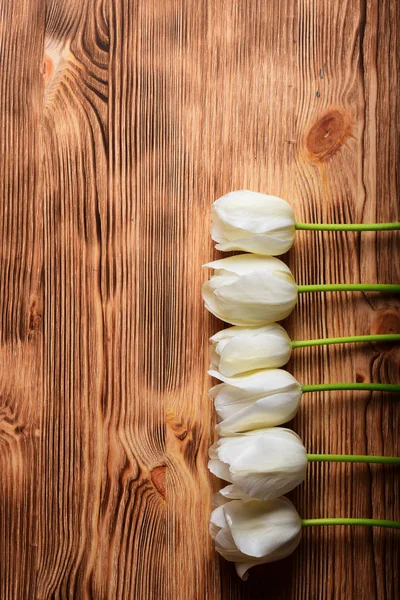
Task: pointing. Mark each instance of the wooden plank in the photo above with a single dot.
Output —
(20, 292)
(346, 187)
(167, 425)
(76, 458)
(151, 111)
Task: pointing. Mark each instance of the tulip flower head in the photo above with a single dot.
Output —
(255, 400)
(250, 289)
(263, 464)
(240, 349)
(252, 222)
(252, 532)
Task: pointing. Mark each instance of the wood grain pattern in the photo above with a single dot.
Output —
(121, 123)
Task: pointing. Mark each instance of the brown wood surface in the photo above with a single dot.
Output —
(121, 121)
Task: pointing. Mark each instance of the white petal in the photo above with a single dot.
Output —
(263, 529)
(251, 349)
(262, 399)
(209, 297)
(225, 545)
(256, 298)
(235, 331)
(253, 212)
(264, 464)
(230, 332)
(230, 400)
(242, 568)
(282, 552)
(213, 450)
(261, 243)
(217, 518)
(219, 469)
(214, 358)
(245, 264)
(267, 411)
(231, 492)
(266, 380)
(275, 441)
(214, 391)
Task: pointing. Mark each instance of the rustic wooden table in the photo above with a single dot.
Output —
(120, 123)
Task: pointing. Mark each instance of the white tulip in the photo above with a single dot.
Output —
(250, 289)
(263, 464)
(239, 349)
(259, 399)
(252, 222)
(254, 532)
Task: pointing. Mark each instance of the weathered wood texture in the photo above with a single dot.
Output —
(120, 123)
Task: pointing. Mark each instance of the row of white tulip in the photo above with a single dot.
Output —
(253, 523)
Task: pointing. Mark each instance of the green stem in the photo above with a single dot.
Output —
(346, 521)
(350, 287)
(387, 337)
(354, 458)
(373, 387)
(348, 226)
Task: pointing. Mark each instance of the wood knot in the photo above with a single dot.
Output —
(387, 321)
(35, 320)
(48, 68)
(158, 479)
(328, 134)
(179, 428)
(55, 60)
(360, 378)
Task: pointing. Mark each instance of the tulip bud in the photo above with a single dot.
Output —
(250, 289)
(239, 349)
(253, 532)
(252, 222)
(255, 400)
(263, 464)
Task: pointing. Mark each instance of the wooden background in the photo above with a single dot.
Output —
(120, 123)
